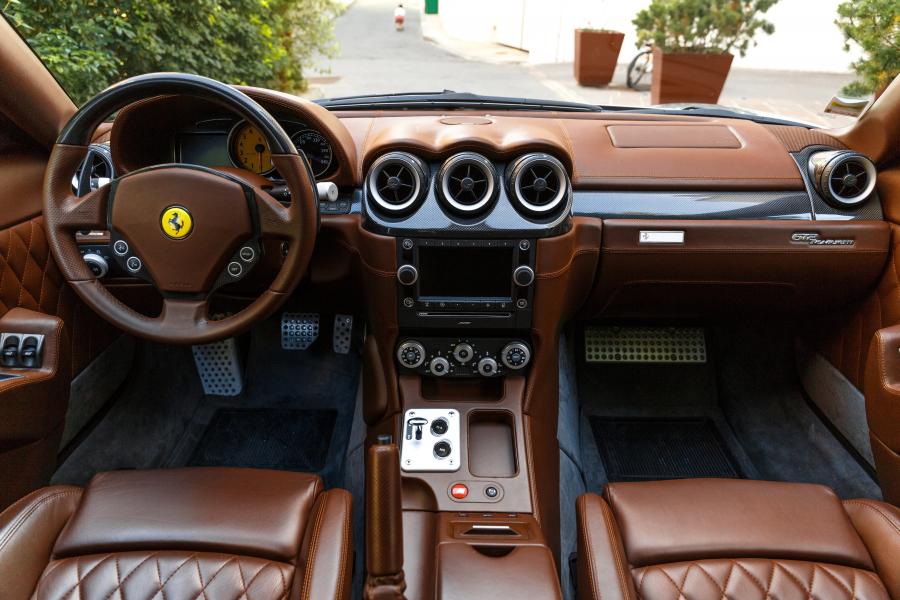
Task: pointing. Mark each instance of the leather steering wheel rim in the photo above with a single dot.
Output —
(184, 318)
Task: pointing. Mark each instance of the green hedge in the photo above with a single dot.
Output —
(90, 44)
(875, 26)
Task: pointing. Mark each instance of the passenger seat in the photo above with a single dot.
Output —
(722, 538)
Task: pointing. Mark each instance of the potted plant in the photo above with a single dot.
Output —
(693, 42)
(596, 54)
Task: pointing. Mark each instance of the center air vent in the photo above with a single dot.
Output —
(467, 183)
(397, 182)
(537, 184)
(844, 179)
(95, 171)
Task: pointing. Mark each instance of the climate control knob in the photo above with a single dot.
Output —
(515, 355)
(439, 366)
(97, 264)
(523, 276)
(407, 275)
(411, 354)
(463, 353)
(487, 366)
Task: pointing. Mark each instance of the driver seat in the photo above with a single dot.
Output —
(179, 534)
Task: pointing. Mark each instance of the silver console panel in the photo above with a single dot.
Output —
(425, 434)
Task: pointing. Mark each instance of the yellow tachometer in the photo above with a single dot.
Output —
(250, 150)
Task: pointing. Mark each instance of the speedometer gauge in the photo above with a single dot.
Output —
(316, 148)
(249, 149)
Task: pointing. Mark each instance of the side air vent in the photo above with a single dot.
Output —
(467, 183)
(844, 179)
(96, 170)
(397, 182)
(537, 184)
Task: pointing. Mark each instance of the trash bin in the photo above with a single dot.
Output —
(431, 7)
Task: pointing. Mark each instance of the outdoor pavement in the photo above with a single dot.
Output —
(373, 58)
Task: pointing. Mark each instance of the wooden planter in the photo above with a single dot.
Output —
(596, 54)
(688, 77)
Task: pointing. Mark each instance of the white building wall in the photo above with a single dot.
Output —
(805, 38)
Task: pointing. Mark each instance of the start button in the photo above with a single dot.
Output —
(459, 491)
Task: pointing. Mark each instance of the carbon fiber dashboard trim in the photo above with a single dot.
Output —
(719, 205)
(870, 210)
(501, 219)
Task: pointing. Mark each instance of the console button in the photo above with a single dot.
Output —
(407, 274)
(439, 366)
(459, 491)
(463, 353)
(411, 354)
(134, 264)
(515, 355)
(442, 449)
(120, 247)
(235, 269)
(491, 491)
(247, 254)
(523, 276)
(440, 426)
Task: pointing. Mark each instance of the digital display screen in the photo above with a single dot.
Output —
(465, 272)
(204, 149)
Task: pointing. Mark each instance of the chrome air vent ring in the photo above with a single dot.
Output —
(843, 178)
(397, 182)
(537, 184)
(467, 183)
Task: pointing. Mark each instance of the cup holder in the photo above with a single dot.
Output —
(494, 551)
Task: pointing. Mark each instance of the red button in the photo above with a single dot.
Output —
(459, 491)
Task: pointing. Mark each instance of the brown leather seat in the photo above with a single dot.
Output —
(712, 539)
(179, 534)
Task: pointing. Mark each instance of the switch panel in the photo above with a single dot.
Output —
(430, 440)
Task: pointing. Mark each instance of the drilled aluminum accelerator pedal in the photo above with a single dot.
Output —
(299, 330)
(644, 345)
(219, 367)
(342, 337)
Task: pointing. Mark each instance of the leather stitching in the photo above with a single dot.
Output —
(875, 508)
(22, 519)
(314, 547)
(589, 547)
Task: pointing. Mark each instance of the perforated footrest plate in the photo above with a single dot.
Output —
(342, 337)
(219, 367)
(299, 330)
(609, 344)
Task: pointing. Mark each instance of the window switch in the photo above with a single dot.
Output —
(30, 354)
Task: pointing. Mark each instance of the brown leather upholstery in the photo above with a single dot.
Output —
(708, 538)
(180, 533)
(384, 524)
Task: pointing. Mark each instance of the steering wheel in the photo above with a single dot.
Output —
(186, 229)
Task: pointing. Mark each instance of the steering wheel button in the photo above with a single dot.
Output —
(459, 491)
(120, 247)
(247, 254)
(235, 269)
(134, 264)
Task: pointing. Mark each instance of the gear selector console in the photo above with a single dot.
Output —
(430, 440)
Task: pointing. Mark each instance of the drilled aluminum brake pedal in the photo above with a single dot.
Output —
(606, 344)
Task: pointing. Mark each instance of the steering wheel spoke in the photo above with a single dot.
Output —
(183, 315)
(85, 212)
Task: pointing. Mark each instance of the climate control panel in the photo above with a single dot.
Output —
(463, 357)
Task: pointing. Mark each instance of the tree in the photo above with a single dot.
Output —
(90, 44)
(875, 26)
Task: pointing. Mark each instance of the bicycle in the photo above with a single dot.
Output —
(639, 67)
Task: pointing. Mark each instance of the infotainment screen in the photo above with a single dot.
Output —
(465, 272)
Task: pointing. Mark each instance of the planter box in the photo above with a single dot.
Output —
(688, 77)
(596, 54)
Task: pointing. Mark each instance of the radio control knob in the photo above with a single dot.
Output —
(97, 264)
(407, 275)
(515, 355)
(411, 354)
(523, 276)
(463, 353)
(487, 366)
(439, 366)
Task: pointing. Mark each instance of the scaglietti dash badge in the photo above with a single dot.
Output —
(176, 222)
(813, 239)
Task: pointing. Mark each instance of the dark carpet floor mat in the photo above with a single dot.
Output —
(649, 449)
(284, 439)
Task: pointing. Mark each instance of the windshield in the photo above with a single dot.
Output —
(771, 57)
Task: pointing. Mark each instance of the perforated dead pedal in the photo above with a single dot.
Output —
(608, 344)
(342, 337)
(299, 330)
(219, 367)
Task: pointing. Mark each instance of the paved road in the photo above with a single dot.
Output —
(374, 58)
